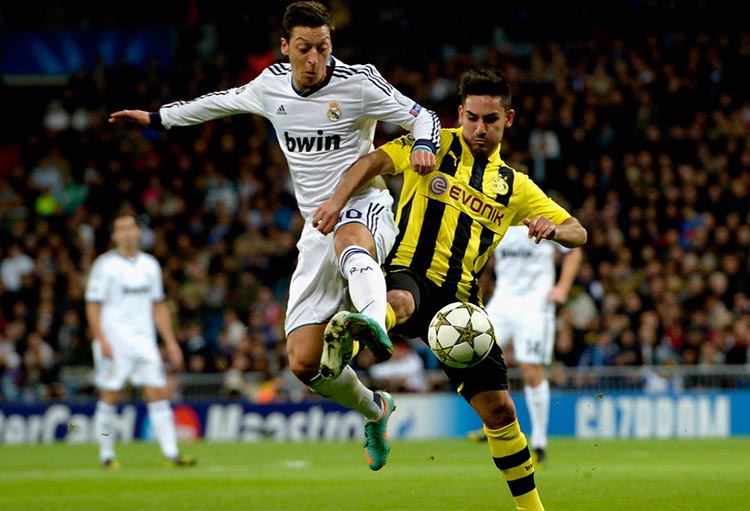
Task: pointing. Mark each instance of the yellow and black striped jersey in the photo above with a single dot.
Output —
(451, 220)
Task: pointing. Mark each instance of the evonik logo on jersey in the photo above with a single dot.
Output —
(317, 144)
(459, 195)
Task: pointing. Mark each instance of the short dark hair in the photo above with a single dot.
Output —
(485, 82)
(305, 13)
(123, 214)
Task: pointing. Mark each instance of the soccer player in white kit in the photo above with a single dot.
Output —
(125, 307)
(324, 113)
(522, 310)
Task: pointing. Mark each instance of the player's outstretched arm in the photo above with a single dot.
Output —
(138, 116)
(569, 234)
(359, 174)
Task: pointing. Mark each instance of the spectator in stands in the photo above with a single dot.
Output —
(71, 342)
(11, 364)
(39, 365)
(14, 267)
(233, 331)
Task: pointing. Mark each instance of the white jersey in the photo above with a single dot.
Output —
(524, 270)
(519, 308)
(126, 288)
(321, 133)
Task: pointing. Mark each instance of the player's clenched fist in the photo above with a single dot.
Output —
(422, 161)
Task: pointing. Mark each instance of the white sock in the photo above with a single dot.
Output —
(538, 402)
(348, 391)
(162, 420)
(366, 282)
(104, 429)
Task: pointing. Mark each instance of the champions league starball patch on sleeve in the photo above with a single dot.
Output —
(415, 109)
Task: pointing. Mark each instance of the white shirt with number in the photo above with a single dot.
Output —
(525, 270)
(519, 307)
(321, 133)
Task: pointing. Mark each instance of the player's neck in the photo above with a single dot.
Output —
(128, 253)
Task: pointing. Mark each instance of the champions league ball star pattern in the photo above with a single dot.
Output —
(461, 335)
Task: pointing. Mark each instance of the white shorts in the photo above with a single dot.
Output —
(141, 365)
(531, 329)
(317, 290)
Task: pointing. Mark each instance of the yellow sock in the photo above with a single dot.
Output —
(390, 316)
(511, 455)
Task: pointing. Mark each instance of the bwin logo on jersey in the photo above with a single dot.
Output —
(127, 290)
(312, 144)
(521, 254)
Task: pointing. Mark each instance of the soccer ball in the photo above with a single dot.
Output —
(461, 335)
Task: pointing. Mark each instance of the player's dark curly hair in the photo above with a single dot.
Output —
(306, 13)
(485, 82)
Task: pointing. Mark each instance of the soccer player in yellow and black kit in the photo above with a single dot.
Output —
(450, 221)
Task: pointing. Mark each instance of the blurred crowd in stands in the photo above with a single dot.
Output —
(645, 138)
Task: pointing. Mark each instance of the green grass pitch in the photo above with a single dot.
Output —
(455, 474)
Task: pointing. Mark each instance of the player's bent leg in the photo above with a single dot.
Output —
(512, 457)
(349, 392)
(377, 447)
(338, 347)
(344, 389)
(358, 263)
(304, 346)
(508, 447)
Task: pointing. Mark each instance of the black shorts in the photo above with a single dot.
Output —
(490, 374)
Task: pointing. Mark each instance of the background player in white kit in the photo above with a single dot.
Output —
(324, 113)
(523, 309)
(125, 307)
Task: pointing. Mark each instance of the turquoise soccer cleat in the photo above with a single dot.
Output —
(368, 332)
(377, 445)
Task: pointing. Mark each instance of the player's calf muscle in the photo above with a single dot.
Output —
(303, 351)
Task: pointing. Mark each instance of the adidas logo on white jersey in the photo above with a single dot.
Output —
(281, 110)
